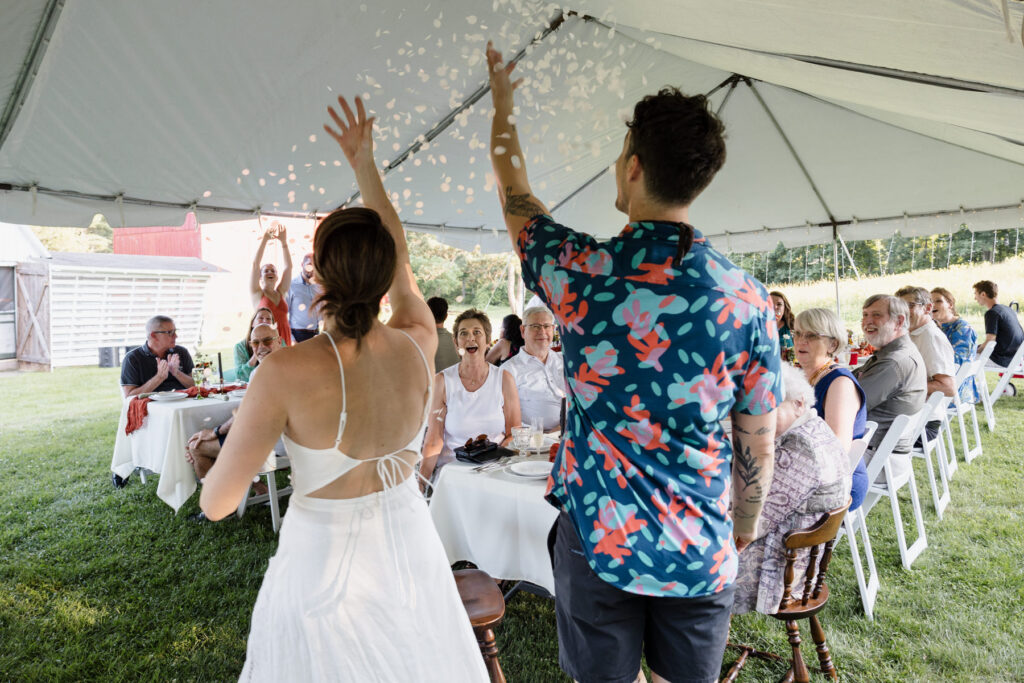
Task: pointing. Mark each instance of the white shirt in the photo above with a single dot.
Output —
(541, 386)
(935, 349)
(471, 413)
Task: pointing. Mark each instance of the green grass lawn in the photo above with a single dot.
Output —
(105, 584)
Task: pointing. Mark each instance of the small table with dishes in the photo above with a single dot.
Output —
(159, 444)
(497, 518)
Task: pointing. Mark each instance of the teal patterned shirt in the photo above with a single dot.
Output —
(656, 357)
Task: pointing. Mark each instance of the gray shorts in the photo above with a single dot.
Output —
(602, 630)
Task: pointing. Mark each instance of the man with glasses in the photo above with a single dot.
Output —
(538, 371)
(159, 364)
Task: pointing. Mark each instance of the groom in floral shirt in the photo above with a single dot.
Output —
(663, 340)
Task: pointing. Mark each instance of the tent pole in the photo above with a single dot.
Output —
(30, 66)
(856, 273)
(835, 266)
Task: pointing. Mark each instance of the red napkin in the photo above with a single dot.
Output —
(137, 411)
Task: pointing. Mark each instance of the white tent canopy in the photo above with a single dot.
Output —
(860, 119)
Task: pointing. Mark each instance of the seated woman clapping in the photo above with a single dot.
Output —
(839, 400)
(811, 477)
(471, 398)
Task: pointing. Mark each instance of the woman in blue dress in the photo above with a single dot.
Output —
(818, 336)
(960, 334)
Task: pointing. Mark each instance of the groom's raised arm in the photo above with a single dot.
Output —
(517, 201)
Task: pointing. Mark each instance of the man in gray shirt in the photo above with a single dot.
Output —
(446, 354)
(894, 379)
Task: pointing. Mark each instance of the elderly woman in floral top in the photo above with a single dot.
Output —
(812, 476)
(960, 334)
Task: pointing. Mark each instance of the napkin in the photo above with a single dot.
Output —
(137, 411)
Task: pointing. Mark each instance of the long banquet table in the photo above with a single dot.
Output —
(159, 444)
(496, 520)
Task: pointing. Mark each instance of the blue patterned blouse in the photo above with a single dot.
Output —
(965, 348)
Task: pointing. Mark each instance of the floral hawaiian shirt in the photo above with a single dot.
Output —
(656, 357)
(965, 348)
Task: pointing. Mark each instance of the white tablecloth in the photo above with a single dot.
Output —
(496, 520)
(159, 444)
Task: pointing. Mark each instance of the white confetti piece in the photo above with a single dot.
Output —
(499, 150)
(245, 171)
(312, 138)
(516, 163)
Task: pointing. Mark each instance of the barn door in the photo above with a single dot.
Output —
(32, 285)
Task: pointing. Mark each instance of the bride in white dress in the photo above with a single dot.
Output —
(360, 588)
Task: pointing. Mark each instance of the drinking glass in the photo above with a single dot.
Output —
(521, 439)
(536, 434)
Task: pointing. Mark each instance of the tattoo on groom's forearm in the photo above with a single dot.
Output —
(521, 204)
(747, 468)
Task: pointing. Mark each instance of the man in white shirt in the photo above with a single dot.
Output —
(939, 361)
(538, 371)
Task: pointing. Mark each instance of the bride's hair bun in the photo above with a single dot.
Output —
(354, 260)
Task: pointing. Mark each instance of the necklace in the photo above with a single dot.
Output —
(472, 381)
(816, 375)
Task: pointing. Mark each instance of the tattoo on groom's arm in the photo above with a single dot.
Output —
(521, 204)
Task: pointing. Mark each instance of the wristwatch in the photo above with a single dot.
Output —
(216, 431)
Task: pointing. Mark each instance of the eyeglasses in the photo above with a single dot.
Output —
(805, 336)
(268, 341)
(169, 333)
(537, 327)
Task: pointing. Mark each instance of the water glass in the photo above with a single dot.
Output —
(521, 439)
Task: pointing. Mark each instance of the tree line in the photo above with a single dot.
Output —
(897, 254)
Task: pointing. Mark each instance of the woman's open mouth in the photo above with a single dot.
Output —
(472, 349)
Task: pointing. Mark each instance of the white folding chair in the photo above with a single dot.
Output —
(881, 464)
(273, 494)
(935, 409)
(853, 521)
(869, 431)
(960, 410)
(982, 381)
(1016, 365)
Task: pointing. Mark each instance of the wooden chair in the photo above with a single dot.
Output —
(819, 539)
(485, 606)
(273, 494)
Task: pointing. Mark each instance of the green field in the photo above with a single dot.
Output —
(105, 584)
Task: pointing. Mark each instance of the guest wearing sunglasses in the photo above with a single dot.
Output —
(159, 364)
(538, 371)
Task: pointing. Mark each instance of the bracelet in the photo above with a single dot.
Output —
(216, 431)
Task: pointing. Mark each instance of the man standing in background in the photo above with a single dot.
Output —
(446, 355)
(303, 314)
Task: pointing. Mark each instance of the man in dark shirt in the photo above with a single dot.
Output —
(1001, 324)
(157, 365)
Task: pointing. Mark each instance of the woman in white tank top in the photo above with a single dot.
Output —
(360, 588)
(471, 398)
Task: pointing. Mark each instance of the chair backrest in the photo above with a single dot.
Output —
(982, 359)
(819, 538)
(856, 452)
(935, 407)
(869, 430)
(902, 427)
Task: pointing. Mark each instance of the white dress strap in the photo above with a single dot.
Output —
(343, 417)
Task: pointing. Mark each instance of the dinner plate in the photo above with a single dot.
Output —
(532, 469)
(237, 393)
(169, 396)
